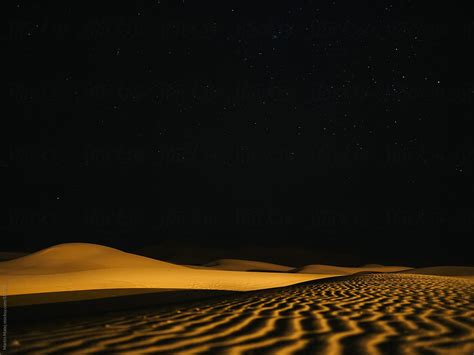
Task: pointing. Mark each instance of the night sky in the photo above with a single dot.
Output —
(339, 128)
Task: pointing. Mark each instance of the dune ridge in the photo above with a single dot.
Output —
(83, 266)
(458, 271)
(73, 257)
(246, 265)
(343, 270)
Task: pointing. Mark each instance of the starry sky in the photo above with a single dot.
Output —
(338, 127)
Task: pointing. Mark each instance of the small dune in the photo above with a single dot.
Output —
(246, 265)
(341, 270)
(459, 271)
(372, 265)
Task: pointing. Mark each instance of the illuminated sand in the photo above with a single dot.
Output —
(81, 266)
(357, 314)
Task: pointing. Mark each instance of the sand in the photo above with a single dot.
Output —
(456, 271)
(246, 265)
(356, 314)
(340, 270)
(73, 257)
(320, 309)
(82, 266)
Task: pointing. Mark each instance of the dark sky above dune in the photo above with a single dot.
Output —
(331, 126)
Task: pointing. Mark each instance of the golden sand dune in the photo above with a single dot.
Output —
(357, 314)
(82, 266)
(340, 270)
(73, 257)
(246, 265)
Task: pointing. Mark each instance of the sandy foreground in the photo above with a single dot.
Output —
(355, 314)
(231, 306)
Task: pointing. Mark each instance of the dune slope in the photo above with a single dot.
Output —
(462, 271)
(82, 266)
(72, 257)
(246, 265)
(340, 270)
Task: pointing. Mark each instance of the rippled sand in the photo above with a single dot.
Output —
(359, 314)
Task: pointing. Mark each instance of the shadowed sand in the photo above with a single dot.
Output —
(250, 265)
(53, 305)
(246, 265)
(341, 270)
(458, 271)
(5, 255)
(358, 314)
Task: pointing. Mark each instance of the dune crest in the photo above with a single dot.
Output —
(71, 257)
(246, 265)
(341, 270)
(461, 271)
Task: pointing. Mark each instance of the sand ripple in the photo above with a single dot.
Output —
(361, 314)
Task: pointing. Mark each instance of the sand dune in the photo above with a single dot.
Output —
(357, 314)
(246, 265)
(249, 265)
(340, 270)
(81, 266)
(460, 271)
(196, 253)
(73, 257)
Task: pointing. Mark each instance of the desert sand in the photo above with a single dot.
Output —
(340, 270)
(250, 265)
(82, 266)
(316, 309)
(356, 314)
(456, 271)
(246, 265)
